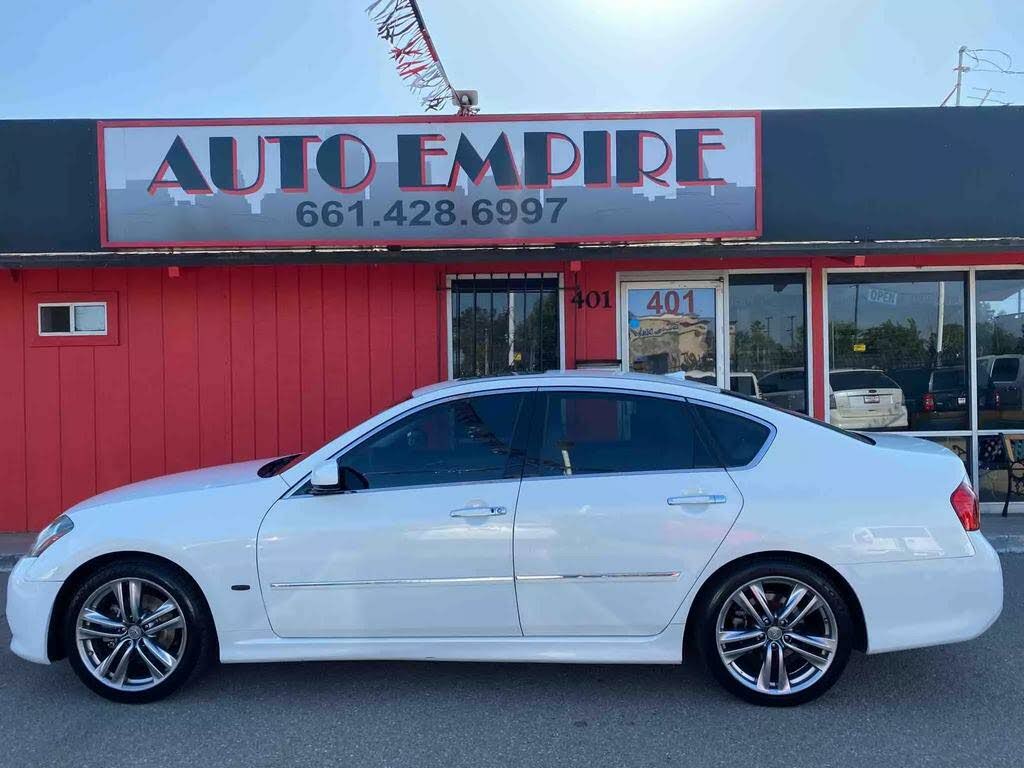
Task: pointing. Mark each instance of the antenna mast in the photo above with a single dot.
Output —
(400, 24)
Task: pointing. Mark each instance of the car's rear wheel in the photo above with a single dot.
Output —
(776, 633)
(135, 631)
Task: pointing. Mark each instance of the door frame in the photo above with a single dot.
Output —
(714, 281)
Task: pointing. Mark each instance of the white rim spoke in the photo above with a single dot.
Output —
(822, 643)
(792, 602)
(811, 658)
(104, 667)
(134, 599)
(762, 600)
(812, 604)
(154, 670)
(159, 653)
(743, 602)
(97, 618)
(98, 634)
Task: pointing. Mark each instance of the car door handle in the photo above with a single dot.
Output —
(700, 498)
(478, 512)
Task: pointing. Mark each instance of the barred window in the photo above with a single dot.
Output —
(504, 324)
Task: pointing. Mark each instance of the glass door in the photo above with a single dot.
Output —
(674, 328)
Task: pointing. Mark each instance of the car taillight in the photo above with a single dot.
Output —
(965, 504)
(929, 402)
(832, 402)
(995, 400)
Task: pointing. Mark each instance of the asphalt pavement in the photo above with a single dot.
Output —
(960, 705)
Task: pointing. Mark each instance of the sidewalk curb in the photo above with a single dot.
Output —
(1006, 544)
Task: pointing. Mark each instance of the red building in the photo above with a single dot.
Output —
(187, 293)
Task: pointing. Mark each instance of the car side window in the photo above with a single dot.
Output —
(466, 440)
(593, 433)
(737, 438)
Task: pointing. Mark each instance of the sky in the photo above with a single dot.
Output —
(238, 58)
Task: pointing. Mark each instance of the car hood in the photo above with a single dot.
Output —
(182, 482)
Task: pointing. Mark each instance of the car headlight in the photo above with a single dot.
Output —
(51, 533)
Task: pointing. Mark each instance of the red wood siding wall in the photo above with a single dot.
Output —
(226, 364)
(216, 365)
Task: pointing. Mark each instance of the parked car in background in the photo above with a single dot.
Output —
(743, 382)
(564, 517)
(865, 398)
(786, 388)
(1006, 374)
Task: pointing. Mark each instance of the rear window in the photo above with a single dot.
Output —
(843, 380)
(951, 379)
(803, 417)
(738, 438)
(783, 381)
(1005, 369)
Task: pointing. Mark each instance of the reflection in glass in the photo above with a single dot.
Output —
(897, 348)
(673, 330)
(504, 325)
(767, 339)
(1000, 332)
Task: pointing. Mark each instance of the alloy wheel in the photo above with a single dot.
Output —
(131, 634)
(776, 635)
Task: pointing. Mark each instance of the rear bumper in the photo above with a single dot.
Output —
(930, 602)
(29, 605)
(872, 421)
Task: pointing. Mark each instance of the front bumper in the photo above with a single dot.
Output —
(929, 602)
(29, 605)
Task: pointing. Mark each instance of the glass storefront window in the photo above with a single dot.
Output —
(1000, 344)
(672, 328)
(504, 325)
(897, 351)
(767, 338)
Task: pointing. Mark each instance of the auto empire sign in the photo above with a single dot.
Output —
(482, 180)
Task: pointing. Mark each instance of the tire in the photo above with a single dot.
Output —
(813, 652)
(114, 648)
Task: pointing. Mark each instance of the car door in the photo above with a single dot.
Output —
(425, 550)
(621, 507)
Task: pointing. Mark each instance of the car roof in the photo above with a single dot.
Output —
(609, 378)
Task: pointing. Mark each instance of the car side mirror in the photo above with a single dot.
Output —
(332, 477)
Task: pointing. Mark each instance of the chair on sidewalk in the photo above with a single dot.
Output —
(1013, 449)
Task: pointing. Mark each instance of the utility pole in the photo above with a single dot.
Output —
(959, 71)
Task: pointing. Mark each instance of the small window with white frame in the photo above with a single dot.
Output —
(76, 318)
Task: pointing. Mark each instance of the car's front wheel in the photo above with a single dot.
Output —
(135, 631)
(776, 633)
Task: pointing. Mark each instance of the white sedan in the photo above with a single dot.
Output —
(562, 517)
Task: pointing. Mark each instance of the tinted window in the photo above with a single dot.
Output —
(904, 326)
(743, 384)
(459, 441)
(952, 378)
(1005, 369)
(768, 335)
(588, 433)
(844, 380)
(739, 439)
